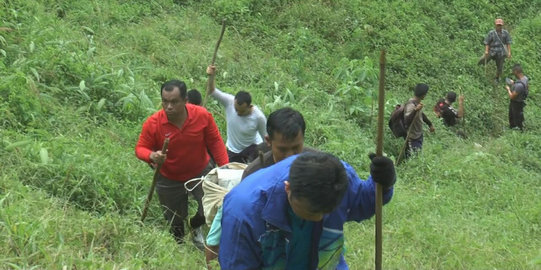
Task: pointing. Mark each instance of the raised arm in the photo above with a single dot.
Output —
(361, 194)
(211, 81)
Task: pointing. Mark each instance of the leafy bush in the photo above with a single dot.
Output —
(20, 101)
(79, 78)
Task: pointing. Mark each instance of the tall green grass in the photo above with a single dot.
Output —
(80, 77)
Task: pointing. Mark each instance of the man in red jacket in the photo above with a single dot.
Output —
(191, 131)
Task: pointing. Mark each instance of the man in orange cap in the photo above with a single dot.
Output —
(497, 47)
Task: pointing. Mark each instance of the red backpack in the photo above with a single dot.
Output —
(438, 108)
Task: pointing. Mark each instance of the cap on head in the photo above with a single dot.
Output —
(498, 22)
(420, 90)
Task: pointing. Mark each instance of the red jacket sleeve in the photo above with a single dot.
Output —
(214, 142)
(146, 142)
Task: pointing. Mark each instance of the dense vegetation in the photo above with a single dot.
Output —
(78, 78)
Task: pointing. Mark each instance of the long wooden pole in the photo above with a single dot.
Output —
(212, 76)
(408, 136)
(379, 152)
(153, 185)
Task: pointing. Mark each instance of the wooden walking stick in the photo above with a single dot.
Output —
(210, 80)
(261, 158)
(403, 150)
(153, 185)
(379, 152)
(463, 114)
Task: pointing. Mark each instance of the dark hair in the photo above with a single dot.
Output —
(320, 178)
(517, 68)
(194, 97)
(420, 90)
(287, 122)
(243, 97)
(451, 96)
(170, 86)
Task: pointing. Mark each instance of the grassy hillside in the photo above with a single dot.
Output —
(80, 77)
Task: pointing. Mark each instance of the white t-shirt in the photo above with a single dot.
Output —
(242, 131)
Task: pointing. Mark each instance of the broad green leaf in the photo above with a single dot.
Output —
(35, 72)
(82, 85)
(44, 155)
(88, 30)
(145, 101)
(83, 108)
(18, 144)
(100, 104)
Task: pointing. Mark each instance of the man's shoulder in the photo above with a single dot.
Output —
(257, 164)
(261, 181)
(258, 112)
(195, 111)
(520, 85)
(410, 103)
(524, 80)
(196, 108)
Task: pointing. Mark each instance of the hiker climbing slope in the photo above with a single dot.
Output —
(191, 130)
(444, 109)
(285, 128)
(245, 122)
(291, 215)
(518, 92)
(497, 47)
(414, 118)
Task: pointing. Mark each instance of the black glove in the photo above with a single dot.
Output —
(382, 171)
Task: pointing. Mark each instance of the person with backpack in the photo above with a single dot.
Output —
(291, 215)
(497, 47)
(414, 118)
(444, 109)
(518, 92)
(285, 129)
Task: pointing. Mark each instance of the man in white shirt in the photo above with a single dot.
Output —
(246, 123)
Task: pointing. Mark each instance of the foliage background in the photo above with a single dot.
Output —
(80, 77)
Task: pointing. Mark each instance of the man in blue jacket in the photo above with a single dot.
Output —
(291, 215)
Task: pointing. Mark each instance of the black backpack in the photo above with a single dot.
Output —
(526, 88)
(396, 122)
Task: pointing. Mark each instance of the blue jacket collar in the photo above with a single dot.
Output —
(275, 210)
